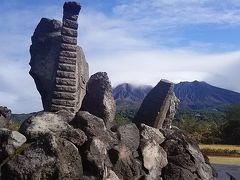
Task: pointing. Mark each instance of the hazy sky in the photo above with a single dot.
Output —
(136, 41)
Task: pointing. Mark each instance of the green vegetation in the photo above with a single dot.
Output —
(231, 128)
(212, 127)
(220, 152)
(21, 117)
(14, 125)
(208, 127)
(204, 127)
(121, 119)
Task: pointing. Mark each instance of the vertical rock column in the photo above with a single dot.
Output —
(65, 92)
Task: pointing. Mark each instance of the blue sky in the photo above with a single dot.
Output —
(136, 41)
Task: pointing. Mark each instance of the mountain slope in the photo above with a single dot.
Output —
(128, 92)
(129, 97)
(193, 96)
(201, 96)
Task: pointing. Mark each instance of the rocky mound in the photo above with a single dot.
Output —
(55, 146)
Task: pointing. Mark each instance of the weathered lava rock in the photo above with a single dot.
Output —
(46, 123)
(10, 141)
(99, 100)
(44, 57)
(185, 160)
(153, 155)
(154, 108)
(124, 164)
(129, 135)
(46, 158)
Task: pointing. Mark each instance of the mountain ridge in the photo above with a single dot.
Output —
(196, 95)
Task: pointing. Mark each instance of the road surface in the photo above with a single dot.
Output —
(231, 169)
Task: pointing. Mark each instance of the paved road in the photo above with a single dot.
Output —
(222, 169)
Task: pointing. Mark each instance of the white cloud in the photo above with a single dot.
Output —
(179, 12)
(148, 67)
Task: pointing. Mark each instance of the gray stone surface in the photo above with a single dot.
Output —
(44, 57)
(150, 134)
(112, 176)
(154, 158)
(99, 100)
(46, 158)
(55, 124)
(46, 123)
(95, 157)
(154, 108)
(5, 117)
(124, 165)
(90, 124)
(94, 126)
(57, 66)
(10, 141)
(129, 135)
(174, 103)
(185, 160)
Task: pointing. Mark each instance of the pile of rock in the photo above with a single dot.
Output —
(54, 146)
(63, 142)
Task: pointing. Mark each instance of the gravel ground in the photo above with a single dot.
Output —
(231, 169)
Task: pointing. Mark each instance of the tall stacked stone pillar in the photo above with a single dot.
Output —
(65, 91)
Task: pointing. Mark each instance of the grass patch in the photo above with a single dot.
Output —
(220, 146)
(221, 150)
(224, 160)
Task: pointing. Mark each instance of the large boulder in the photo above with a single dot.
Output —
(154, 159)
(185, 160)
(5, 117)
(55, 124)
(150, 134)
(46, 123)
(153, 155)
(10, 141)
(46, 158)
(45, 50)
(99, 100)
(155, 106)
(90, 124)
(94, 126)
(128, 135)
(51, 150)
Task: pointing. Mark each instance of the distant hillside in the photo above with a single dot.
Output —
(193, 96)
(21, 117)
(203, 96)
(129, 97)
